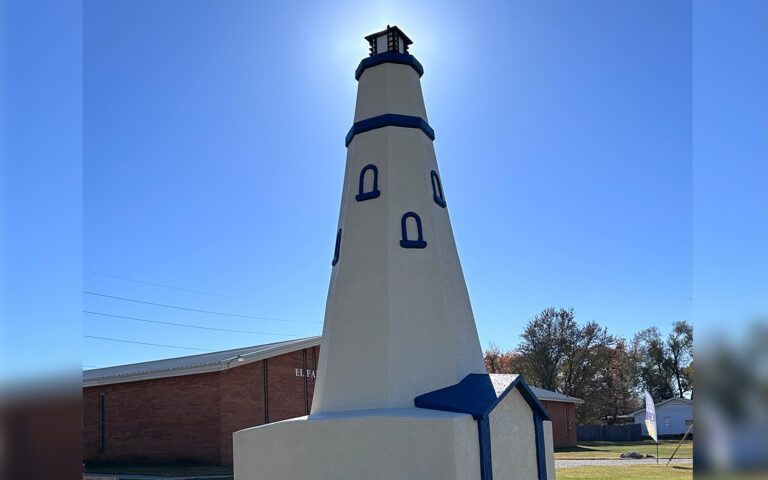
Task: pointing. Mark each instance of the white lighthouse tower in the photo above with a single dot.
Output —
(402, 391)
(398, 321)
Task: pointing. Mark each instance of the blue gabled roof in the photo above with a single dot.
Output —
(478, 394)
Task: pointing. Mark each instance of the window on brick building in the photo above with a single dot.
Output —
(102, 421)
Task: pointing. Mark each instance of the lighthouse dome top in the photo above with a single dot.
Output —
(391, 39)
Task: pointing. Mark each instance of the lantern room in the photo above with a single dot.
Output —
(392, 39)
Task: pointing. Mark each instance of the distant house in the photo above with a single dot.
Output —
(673, 417)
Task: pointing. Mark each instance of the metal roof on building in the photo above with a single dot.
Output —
(664, 402)
(544, 395)
(193, 364)
(217, 361)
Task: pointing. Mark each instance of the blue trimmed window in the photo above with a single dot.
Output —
(336, 249)
(437, 189)
(406, 242)
(362, 195)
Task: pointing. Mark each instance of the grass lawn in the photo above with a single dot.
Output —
(634, 472)
(612, 450)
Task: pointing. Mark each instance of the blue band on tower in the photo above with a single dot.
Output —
(389, 120)
(389, 57)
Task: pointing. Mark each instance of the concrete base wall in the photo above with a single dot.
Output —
(403, 444)
(550, 447)
(513, 439)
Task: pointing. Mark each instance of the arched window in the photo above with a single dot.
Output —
(336, 249)
(374, 192)
(437, 190)
(406, 242)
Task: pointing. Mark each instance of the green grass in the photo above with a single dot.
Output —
(612, 450)
(633, 472)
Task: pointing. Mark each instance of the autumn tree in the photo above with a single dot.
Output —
(618, 394)
(585, 361)
(498, 361)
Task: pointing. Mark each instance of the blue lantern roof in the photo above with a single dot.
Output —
(478, 394)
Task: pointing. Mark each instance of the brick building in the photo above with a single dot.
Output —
(562, 411)
(185, 409)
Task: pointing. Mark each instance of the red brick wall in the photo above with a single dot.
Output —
(563, 417)
(170, 420)
(242, 403)
(242, 394)
(190, 419)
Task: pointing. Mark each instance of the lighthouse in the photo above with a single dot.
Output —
(402, 391)
(398, 320)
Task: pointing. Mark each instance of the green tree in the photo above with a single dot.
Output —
(558, 354)
(654, 367)
(680, 356)
(546, 342)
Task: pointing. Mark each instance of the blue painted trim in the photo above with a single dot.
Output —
(388, 57)
(336, 249)
(478, 396)
(362, 195)
(389, 120)
(486, 457)
(532, 399)
(405, 242)
(541, 451)
(437, 187)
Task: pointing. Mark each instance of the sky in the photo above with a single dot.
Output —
(212, 161)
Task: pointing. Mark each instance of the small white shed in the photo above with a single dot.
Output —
(673, 416)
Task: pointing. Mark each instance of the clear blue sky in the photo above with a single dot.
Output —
(213, 161)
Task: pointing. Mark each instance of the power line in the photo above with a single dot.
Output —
(226, 314)
(145, 343)
(189, 326)
(190, 290)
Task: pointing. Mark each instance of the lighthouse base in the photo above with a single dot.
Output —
(403, 444)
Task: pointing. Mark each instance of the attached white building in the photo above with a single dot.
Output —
(673, 416)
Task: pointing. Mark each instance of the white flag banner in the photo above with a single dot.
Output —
(650, 417)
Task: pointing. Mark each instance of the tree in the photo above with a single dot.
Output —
(680, 353)
(545, 345)
(497, 361)
(621, 384)
(585, 356)
(654, 367)
(665, 368)
(558, 354)
(608, 373)
(586, 371)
